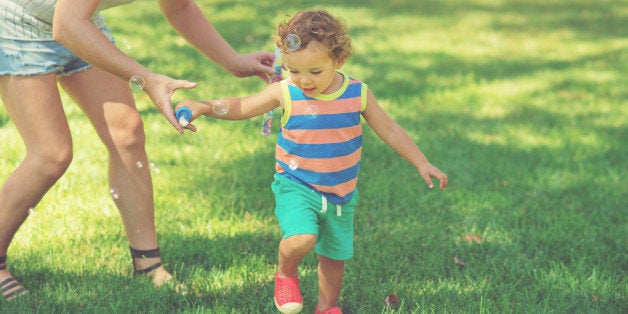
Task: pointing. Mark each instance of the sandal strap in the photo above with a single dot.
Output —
(17, 292)
(9, 284)
(145, 270)
(145, 254)
(3, 262)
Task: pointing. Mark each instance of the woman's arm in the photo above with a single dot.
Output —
(73, 28)
(188, 20)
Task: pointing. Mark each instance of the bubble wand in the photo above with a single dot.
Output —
(184, 115)
(267, 121)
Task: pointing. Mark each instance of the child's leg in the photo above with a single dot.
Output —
(297, 212)
(291, 252)
(330, 274)
(334, 247)
(292, 249)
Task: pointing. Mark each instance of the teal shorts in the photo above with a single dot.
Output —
(301, 210)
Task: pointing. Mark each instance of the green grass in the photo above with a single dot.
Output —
(522, 103)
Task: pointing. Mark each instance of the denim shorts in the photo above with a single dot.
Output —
(29, 57)
(301, 210)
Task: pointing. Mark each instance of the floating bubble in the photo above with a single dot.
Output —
(293, 164)
(139, 164)
(137, 83)
(115, 194)
(311, 111)
(31, 211)
(220, 107)
(106, 210)
(153, 166)
(125, 46)
(292, 42)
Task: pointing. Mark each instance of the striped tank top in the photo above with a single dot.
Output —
(320, 141)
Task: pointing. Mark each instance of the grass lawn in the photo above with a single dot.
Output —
(522, 103)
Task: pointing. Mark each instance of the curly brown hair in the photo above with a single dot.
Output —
(320, 26)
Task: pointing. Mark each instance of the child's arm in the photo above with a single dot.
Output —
(398, 139)
(236, 108)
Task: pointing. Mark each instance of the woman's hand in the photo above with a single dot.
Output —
(160, 89)
(256, 63)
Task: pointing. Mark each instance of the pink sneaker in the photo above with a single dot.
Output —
(288, 298)
(333, 310)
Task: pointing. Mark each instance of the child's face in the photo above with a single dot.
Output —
(312, 69)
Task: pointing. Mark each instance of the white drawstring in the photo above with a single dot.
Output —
(324, 206)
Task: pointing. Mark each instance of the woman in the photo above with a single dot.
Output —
(45, 42)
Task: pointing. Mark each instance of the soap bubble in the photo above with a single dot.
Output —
(125, 46)
(220, 107)
(311, 112)
(293, 164)
(293, 42)
(137, 83)
(115, 194)
(139, 164)
(154, 167)
(31, 211)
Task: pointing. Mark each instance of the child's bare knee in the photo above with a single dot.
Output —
(306, 241)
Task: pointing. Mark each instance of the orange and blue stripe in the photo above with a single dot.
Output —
(326, 148)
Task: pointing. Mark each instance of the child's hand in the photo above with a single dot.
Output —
(196, 108)
(428, 171)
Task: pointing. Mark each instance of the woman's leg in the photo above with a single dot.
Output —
(34, 106)
(109, 104)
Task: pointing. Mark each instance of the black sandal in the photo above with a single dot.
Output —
(10, 284)
(178, 287)
(144, 254)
